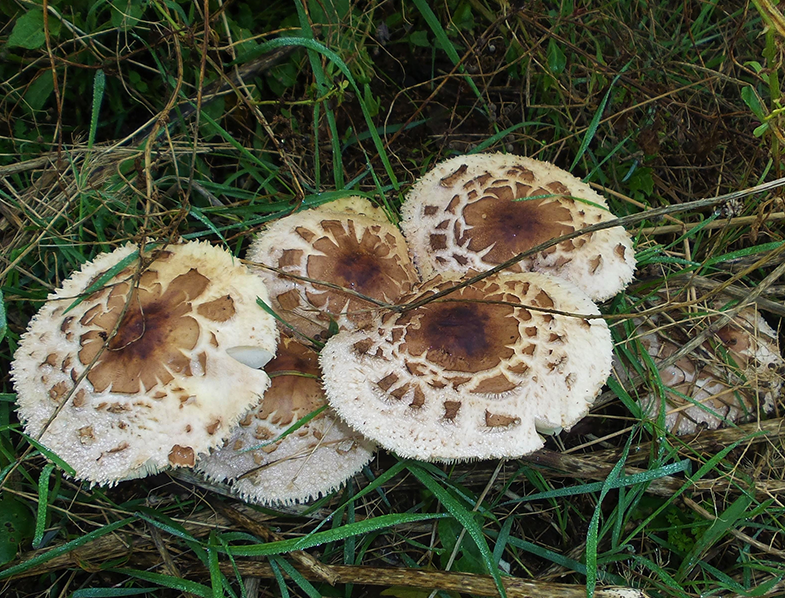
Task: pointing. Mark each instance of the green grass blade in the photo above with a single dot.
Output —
(595, 121)
(104, 278)
(592, 537)
(3, 321)
(167, 581)
(201, 217)
(111, 592)
(283, 42)
(67, 547)
(721, 525)
(51, 456)
(297, 577)
(462, 516)
(99, 85)
(279, 577)
(43, 503)
(333, 535)
(444, 41)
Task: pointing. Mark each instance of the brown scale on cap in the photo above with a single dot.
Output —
(315, 459)
(146, 372)
(471, 375)
(349, 249)
(475, 212)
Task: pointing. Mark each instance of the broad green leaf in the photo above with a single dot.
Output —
(750, 97)
(28, 31)
(38, 92)
(126, 13)
(557, 59)
(16, 527)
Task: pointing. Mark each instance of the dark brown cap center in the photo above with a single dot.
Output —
(462, 337)
(512, 227)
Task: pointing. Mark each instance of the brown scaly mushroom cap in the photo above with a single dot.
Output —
(349, 249)
(170, 384)
(729, 380)
(463, 215)
(471, 376)
(314, 460)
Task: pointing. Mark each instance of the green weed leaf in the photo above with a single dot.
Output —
(28, 31)
(16, 527)
(557, 59)
(126, 13)
(750, 97)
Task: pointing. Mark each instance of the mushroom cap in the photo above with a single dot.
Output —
(354, 204)
(725, 381)
(348, 249)
(469, 212)
(471, 376)
(166, 388)
(314, 460)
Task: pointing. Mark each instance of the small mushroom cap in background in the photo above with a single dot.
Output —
(464, 214)
(166, 387)
(732, 378)
(349, 249)
(313, 460)
(471, 375)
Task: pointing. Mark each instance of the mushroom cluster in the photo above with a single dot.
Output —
(429, 360)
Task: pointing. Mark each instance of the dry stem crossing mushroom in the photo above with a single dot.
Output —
(149, 370)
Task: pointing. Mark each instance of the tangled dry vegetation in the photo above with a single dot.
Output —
(122, 121)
